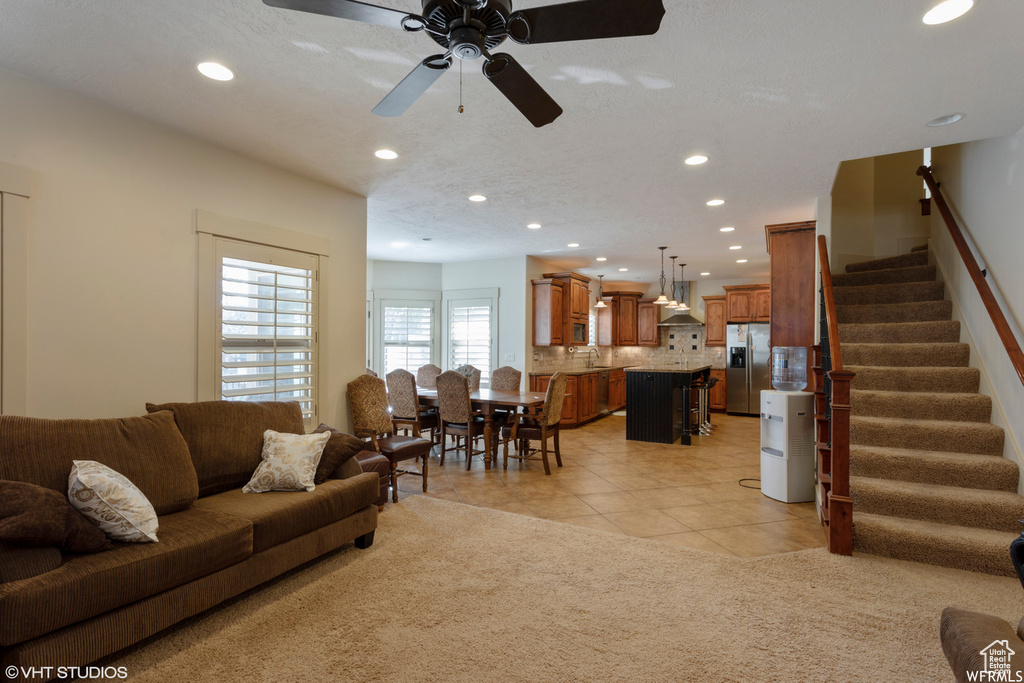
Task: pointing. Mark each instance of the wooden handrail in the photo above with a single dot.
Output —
(830, 305)
(1010, 342)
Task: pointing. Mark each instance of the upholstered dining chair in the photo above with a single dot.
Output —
(538, 426)
(470, 373)
(426, 376)
(405, 405)
(456, 413)
(371, 419)
(505, 378)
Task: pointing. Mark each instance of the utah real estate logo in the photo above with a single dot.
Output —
(997, 664)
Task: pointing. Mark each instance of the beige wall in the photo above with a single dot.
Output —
(853, 198)
(111, 252)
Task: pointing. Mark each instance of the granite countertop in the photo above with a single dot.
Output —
(581, 371)
(674, 369)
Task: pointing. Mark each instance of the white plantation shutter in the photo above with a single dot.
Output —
(268, 337)
(471, 335)
(408, 332)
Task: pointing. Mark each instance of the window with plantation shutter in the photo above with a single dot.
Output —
(268, 319)
(408, 333)
(472, 335)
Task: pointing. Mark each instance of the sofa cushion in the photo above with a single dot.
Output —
(339, 448)
(32, 515)
(149, 450)
(225, 438)
(19, 562)
(193, 543)
(279, 516)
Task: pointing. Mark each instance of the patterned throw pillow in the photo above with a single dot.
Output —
(112, 502)
(289, 462)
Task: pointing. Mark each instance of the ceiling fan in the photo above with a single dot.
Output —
(469, 29)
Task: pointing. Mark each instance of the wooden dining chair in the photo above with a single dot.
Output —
(505, 378)
(457, 415)
(426, 376)
(371, 419)
(470, 373)
(538, 426)
(405, 405)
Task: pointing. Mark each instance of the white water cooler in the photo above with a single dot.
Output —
(787, 446)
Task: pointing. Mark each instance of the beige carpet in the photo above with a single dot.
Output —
(451, 592)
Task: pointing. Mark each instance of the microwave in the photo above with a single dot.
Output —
(579, 333)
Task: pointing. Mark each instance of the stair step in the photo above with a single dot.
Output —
(900, 333)
(995, 510)
(915, 258)
(888, 276)
(921, 311)
(940, 380)
(945, 545)
(922, 405)
(950, 355)
(905, 292)
(987, 472)
(919, 248)
(930, 435)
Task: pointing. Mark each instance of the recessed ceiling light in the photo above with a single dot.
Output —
(947, 11)
(726, 229)
(428, 239)
(573, 245)
(705, 274)
(696, 160)
(478, 198)
(623, 270)
(399, 245)
(534, 226)
(602, 258)
(945, 120)
(385, 154)
(742, 260)
(217, 72)
(735, 247)
(716, 202)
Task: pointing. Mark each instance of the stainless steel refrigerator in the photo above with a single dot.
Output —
(748, 367)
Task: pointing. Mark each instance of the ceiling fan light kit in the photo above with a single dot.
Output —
(470, 29)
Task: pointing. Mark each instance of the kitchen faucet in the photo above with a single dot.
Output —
(590, 359)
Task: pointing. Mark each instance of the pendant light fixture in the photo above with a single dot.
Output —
(684, 291)
(600, 293)
(673, 303)
(662, 300)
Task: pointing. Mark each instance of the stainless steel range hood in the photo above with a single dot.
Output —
(682, 293)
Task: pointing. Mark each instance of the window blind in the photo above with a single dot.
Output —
(469, 338)
(408, 333)
(268, 333)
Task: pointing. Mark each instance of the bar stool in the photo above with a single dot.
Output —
(701, 411)
(711, 385)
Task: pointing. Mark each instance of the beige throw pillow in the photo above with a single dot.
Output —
(112, 502)
(289, 462)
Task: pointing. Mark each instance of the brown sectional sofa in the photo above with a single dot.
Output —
(191, 461)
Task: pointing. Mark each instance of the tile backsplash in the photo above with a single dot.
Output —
(676, 345)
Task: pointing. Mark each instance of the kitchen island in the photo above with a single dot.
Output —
(659, 402)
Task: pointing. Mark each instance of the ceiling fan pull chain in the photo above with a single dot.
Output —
(461, 108)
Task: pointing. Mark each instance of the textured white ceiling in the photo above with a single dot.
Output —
(776, 93)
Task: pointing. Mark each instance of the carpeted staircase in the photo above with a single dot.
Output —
(927, 475)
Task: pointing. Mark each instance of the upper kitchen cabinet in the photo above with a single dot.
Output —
(617, 324)
(561, 309)
(647, 317)
(791, 248)
(746, 303)
(714, 320)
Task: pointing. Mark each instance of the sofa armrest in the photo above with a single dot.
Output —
(967, 635)
(349, 468)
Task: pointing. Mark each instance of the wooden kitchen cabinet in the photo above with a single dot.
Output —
(617, 324)
(763, 305)
(792, 252)
(561, 309)
(714, 320)
(742, 301)
(648, 316)
(580, 403)
(586, 406)
(616, 390)
(717, 393)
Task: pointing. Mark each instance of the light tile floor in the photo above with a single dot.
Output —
(683, 495)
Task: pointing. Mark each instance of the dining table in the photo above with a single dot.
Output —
(487, 401)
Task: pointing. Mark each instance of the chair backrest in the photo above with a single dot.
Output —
(506, 378)
(368, 406)
(470, 373)
(426, 376)
(553, 400)
(370, 372)
(405, 404)
(453, 397)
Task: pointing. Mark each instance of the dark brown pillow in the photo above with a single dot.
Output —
(35, 516)
(340, 447)
(19, 562)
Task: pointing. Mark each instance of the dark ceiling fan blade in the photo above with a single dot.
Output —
(511, 79)
(350, 9)
(586, 20)
(413, 85)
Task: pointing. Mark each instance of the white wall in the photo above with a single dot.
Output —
(111, 252)
(984, 185)
(853, 198)
(898, 223)
(405, 275)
